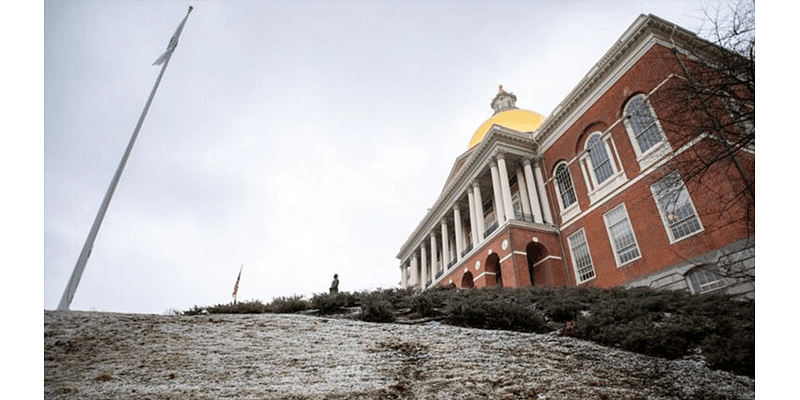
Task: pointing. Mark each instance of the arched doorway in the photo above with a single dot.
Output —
(493, 266)
(536, 254)
(466, 281)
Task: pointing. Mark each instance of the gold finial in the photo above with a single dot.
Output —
(501, 89)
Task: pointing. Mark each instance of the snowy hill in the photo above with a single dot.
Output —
(92, 355)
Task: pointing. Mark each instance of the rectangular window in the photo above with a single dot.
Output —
(621, 235)
(581, 259)
(565, 188)
(675, 205)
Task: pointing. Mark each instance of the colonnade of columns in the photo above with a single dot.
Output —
(423, 267)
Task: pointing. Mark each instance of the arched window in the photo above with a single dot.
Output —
(642, 123)
(601, 166)
(601, 163)
(706, 278)
(565, 189)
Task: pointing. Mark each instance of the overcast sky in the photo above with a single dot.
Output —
(298, 139)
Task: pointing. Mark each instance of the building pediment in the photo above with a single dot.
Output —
(467, 167)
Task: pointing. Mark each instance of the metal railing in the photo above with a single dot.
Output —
(524, 217)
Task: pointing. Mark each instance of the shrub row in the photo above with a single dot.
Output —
(666, 324)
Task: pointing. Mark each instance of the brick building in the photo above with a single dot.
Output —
(604, 192)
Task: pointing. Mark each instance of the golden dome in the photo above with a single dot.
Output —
(515, 118)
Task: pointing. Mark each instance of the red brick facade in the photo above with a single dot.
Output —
(509, 251)
(653, 73)
(539, 252)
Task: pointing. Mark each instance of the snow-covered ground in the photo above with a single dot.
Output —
(91, 355)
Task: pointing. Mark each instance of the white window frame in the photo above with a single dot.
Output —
(713, 281)
(580, 235)
(651, 155)
(599, 190)
(626, 221)
(657, 195)
(597, 137)
(573, 209)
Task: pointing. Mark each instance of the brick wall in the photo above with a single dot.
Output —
(714, 196)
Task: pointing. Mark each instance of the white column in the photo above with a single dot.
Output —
(459, 225)
(403, 278)
(445, 246)
(498, 196)
(548, 219)
(473, 218)
(452, 246)
(523, 192)
(532, 192)
(424, 258)
(434, 249)
(479, 218)
(505, 186)
(414, 266)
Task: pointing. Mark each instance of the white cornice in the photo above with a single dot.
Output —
(646, 32)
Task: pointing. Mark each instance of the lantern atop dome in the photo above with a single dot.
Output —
(504, 101)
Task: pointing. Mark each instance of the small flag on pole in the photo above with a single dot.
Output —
(236, 286)
(173, 42)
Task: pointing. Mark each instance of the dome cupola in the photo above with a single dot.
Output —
(506, 114)
(504, 101)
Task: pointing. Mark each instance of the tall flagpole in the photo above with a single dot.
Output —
(72, 285)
